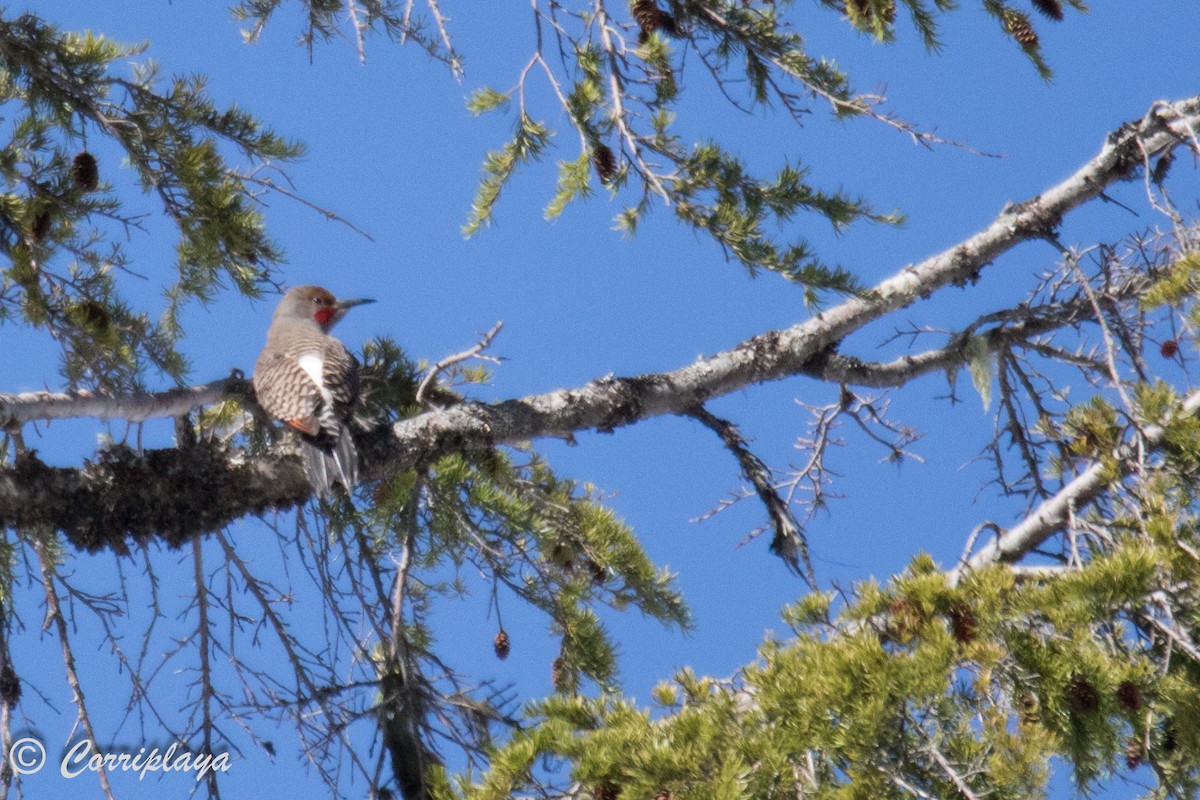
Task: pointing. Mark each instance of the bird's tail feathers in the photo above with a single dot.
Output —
(328, 461)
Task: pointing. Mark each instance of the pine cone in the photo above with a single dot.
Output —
(1129, 695)
(560, 555)
(1167, 742)
(963, 623)
(646, 13)
(1082, 694)
(85, 172)
(904, 620)
(1162, 167)
(1135, 751)
(92, 315)
(1051, 8)
(10, 686)
(604, 162)
(501, 644)
(1020, 28)
(40, 227)
(558, 674)
(858, 8)
(1169, 348)
(651, 18)
(1029, 709)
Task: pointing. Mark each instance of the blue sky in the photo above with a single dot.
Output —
(392, 148)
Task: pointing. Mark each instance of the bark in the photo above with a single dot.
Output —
(28, 406)
(1054, 514)
(123, 497)
(178, 493)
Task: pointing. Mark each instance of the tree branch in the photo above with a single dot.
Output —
(474, 351)
(789, 542)
(122, 494)
(1052, 515)
(611, 402)
(16, 409)
(171, 494)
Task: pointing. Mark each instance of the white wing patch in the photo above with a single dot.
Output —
(314, 365)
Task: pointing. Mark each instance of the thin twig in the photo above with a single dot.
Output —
(54, 616)
(1072, 259)
(267, 183)
(452, 56)
(206, 679)
(476, 351)
(352, 11)
(789, 542)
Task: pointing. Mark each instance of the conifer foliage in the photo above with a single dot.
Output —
(1065, 636)
(61, 228)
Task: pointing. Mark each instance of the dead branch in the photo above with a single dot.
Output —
(789, 542)
(55, 617)
(209, 486)
(472, 352)
(16, 409)
(1052, 515)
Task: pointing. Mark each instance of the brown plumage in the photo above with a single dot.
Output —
(308, 379)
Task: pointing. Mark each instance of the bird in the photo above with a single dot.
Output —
(309, 380)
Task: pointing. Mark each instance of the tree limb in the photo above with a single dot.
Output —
(788, 542)
(171, 494)
(474, 351)
(16, 409)
(1052, 515)
(206, 486)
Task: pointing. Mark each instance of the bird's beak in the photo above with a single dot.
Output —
(346, 305)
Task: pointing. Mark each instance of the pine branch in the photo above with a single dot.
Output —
(611, 402)
(475, 351)
(789, 542)
(16, 409)
(87, 503)
(1052, 515)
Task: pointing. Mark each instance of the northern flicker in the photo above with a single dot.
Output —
(308, 379)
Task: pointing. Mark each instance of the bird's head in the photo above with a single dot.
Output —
(317, 304)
